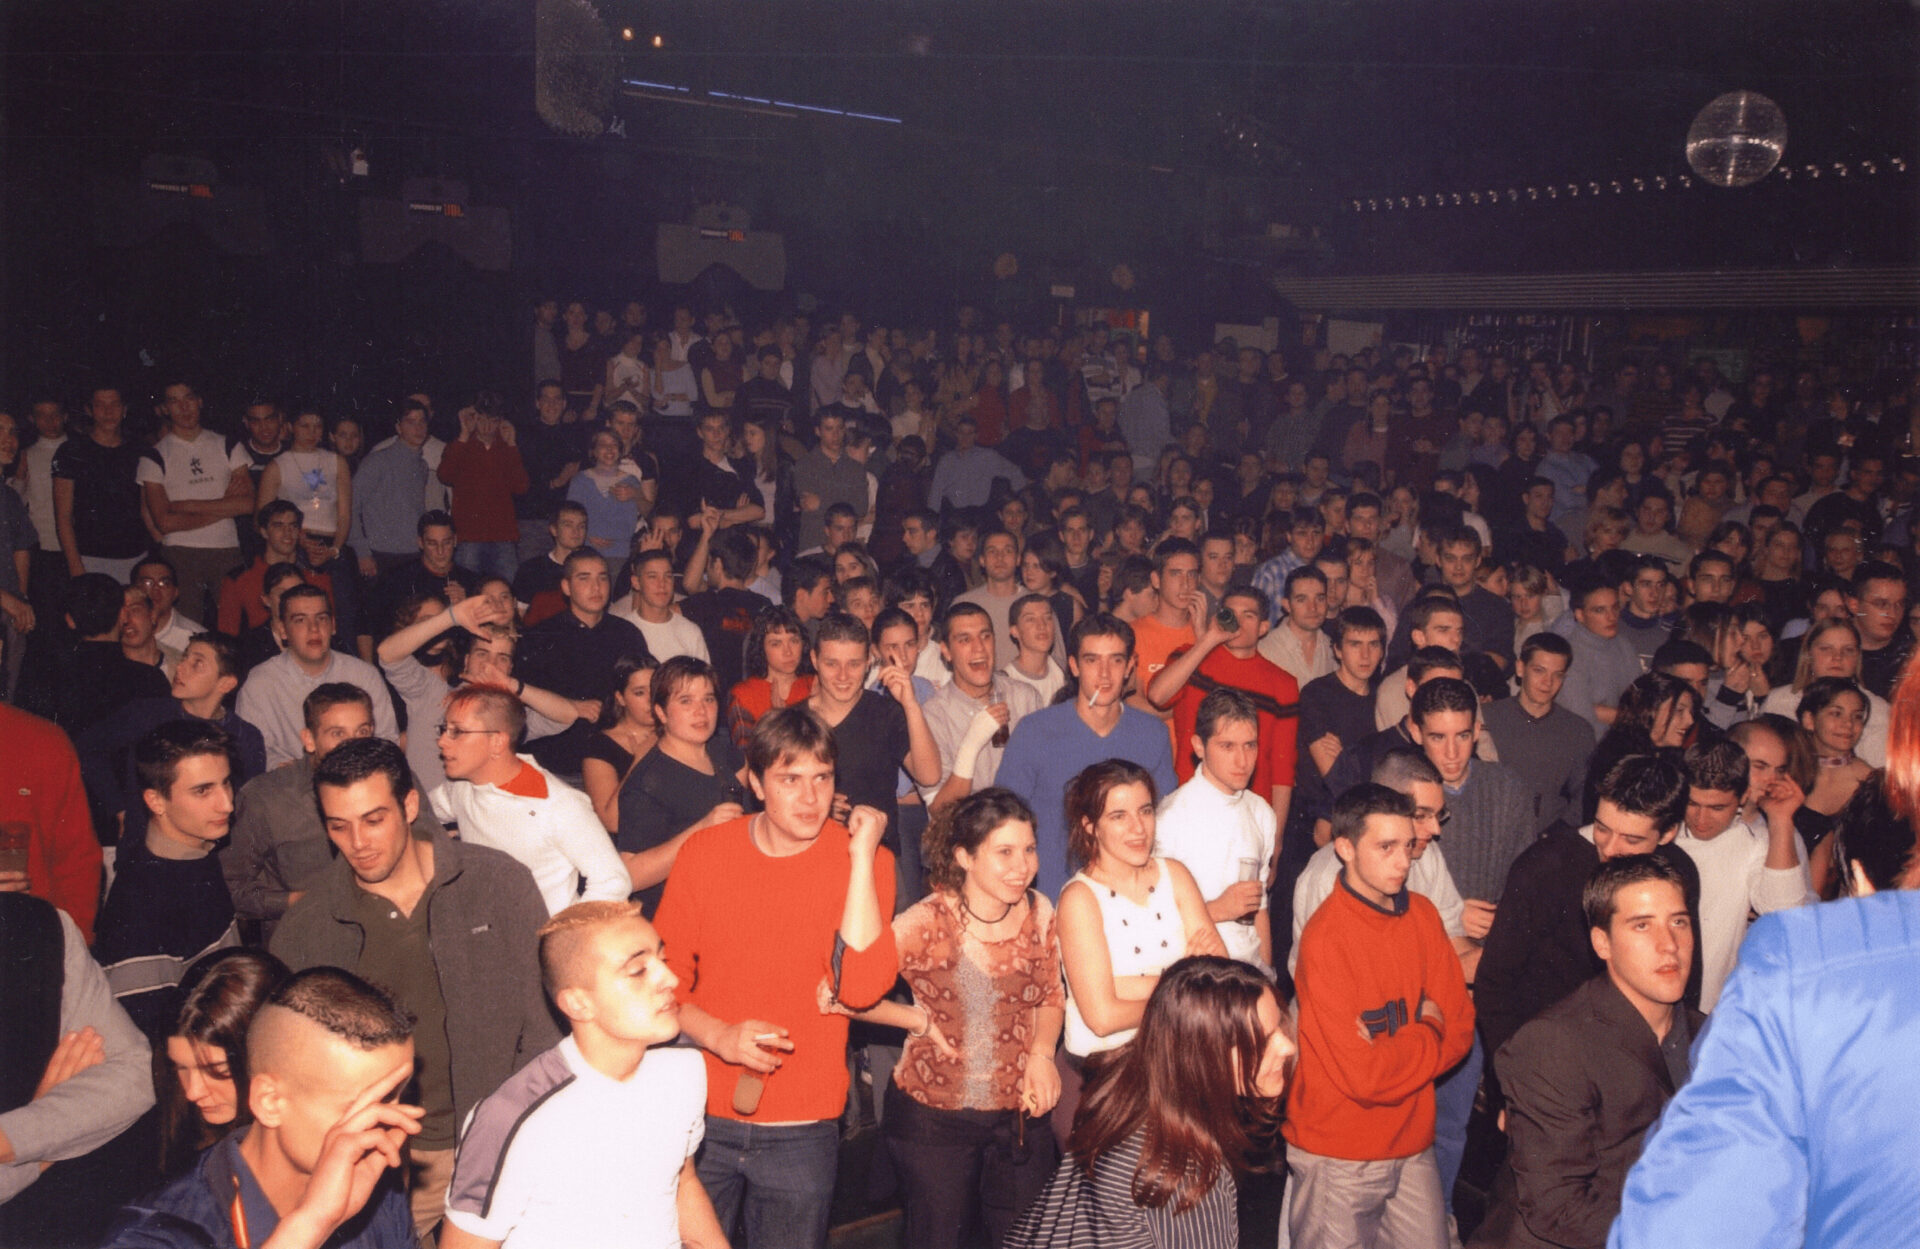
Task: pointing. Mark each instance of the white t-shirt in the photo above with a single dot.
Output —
(1735, 880)
(1046, 686)
(678, 636)
(561, 1156)
(195, 470)
(1209, 832)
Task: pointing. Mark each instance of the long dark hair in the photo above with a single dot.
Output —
(218, 998)
(623, 669)
(1186, 1081)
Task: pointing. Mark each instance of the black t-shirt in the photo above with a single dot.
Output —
(545, 450)
(536, 576)
(873, 743)
(717, 487)
(663, 797)
(411, 580)
(725, 615)
(1328, 706)
(106, 498)
(574, 661)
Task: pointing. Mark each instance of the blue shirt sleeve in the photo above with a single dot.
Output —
(1727, 1164)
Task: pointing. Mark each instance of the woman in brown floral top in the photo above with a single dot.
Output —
(966, 1113)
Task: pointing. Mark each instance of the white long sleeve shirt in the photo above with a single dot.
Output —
(556, 835)
(1735, 880)
(1209, 831)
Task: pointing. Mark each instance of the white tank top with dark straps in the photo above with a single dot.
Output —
(1142, 940)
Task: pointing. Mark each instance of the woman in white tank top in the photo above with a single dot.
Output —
(1126, 916)
(312, 478)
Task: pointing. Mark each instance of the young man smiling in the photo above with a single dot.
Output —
(878, 731)
(447, 927)
(971, 709)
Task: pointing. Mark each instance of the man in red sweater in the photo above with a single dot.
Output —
(1384, 1012)
(759, 913)
(484, 470)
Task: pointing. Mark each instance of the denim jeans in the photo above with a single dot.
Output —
(963, 1167)
(489, 559)
(772, 1187)
(1453, 1096)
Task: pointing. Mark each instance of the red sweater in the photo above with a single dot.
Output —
(1371, 1100)
(40, 788)
(1278, 734)
(751, 937)
(484, 481)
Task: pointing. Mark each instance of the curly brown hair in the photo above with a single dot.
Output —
(965, 825)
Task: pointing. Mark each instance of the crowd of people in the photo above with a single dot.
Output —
(540, 823)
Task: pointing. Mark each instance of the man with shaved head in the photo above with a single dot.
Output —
(328, 1053)
(592, 1142)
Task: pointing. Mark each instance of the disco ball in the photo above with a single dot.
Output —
(1737, 139)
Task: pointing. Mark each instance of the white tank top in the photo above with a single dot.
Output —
(310, 481)
(1142, 940)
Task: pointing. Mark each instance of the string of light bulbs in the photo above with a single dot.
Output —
(1594, 189)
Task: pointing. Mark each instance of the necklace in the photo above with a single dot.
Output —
(968, 908)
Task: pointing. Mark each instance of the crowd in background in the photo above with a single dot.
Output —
(1184, 760)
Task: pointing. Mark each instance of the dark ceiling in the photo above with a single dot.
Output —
(1165, 135)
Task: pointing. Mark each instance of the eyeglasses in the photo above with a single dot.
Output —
(456, 732)
(153, 582)
(1440, 817)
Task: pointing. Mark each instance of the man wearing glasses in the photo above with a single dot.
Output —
(505, 800)
(1878, 601)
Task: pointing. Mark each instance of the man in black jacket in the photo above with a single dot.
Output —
(1539, 950)
(1588, 1077)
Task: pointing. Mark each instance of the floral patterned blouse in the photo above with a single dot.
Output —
(982, 995)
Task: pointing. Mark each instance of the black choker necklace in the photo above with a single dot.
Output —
(967, 907)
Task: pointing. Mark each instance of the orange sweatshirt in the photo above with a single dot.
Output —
(1370, 1100)
(750, 937)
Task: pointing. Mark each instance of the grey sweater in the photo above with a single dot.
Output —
(79, 1115)
(1548, 755)
(1492, 820)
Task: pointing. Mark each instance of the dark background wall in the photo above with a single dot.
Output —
(1077, 136)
